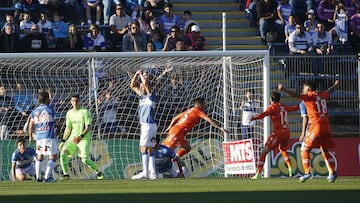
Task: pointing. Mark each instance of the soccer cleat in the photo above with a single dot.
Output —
(65, 177)
(332, 177)
(256, 176)
(39, 180)
(291, 172)
(152, 176)
(139, 176)
(304, 178)
(100, 176)
(185, 171)
(49, 180)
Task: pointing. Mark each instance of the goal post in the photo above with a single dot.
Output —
(102, 80)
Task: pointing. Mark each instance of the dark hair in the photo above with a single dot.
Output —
(199, 100)
(311, 84)
(22, 140)
(76, 96)
(43, 96)
(275, 96)
(168, 5)
(187, 12)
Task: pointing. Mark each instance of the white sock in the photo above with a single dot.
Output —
(38, 169)
(152, 168)
(145, 163)
(49, 168)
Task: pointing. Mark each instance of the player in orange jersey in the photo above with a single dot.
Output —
(281, 135)
(183, 123)
(319, 132)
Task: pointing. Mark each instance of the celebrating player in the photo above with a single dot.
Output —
(183, 123)
(281, 135)
(22, 161)
(77, 136)
(148, 124)
(319, 132)
(43, 122)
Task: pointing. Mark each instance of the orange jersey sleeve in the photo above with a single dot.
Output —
(316, 107)
(190, 118)
(278, 115)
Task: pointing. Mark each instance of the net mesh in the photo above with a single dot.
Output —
(103, 84)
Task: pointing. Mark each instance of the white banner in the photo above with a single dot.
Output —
(239, 157)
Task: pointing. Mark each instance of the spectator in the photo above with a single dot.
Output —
(46, 29)
(6, 107)
(186, 20)
(9, 41)
(31, 7)
(200, 44)
(354, 37)
(34, 41)
(150, 46)
(171, 39)
(175, 94)
(134, 40)
(323, 46)
(284, 10)
(60, 29)
(75, 12)
(90, 6)
(22, 161)
(134, 8)
(25, 25)
(155, 38)
(289, 28)
(119, 25)
(93, 39)
(194, 35)
(107, 9)
(325, 13)
(74, 41)
(341, 19)
(300, 7)
(147, 23)
(310, 24)
(266, 12)
(168, 20)
(180, 45)
(300, 42)
(156, 6)
(9, 19)
(350, 7)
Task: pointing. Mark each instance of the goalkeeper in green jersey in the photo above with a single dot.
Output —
(77, 136)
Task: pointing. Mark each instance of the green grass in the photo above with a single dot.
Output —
(195, 190)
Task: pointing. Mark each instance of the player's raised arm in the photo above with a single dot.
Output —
(133, 84)
(332, 88)
(287, 91)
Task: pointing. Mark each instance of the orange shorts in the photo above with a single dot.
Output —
(278, 139)
(175, 138)
(319, 134)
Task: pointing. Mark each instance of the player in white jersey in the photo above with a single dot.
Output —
(44, 123)
(248, 107)
(148, 126)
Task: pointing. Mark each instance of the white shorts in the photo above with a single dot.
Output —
(29, 170)
(148, 134)
(343, 35)
(47, 147)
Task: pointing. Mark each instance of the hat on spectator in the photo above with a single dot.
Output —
(311, 11)
(195, 28)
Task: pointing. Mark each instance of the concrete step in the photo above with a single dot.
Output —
(180, 7)
(214, 15)
(236, 47)
(231, 23)
(234, 40)
(231, 32)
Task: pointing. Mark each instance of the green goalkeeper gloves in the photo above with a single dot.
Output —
(61, 145)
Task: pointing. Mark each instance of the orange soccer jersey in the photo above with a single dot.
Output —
(188, 119)
(278, 115)
(319, 133)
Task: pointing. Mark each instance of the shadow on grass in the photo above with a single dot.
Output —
(328, 196)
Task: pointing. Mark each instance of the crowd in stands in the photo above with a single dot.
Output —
(98, 25)
(322, 22)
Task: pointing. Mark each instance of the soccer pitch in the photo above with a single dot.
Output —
(191, 190)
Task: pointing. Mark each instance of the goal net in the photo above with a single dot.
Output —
(103, 82)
